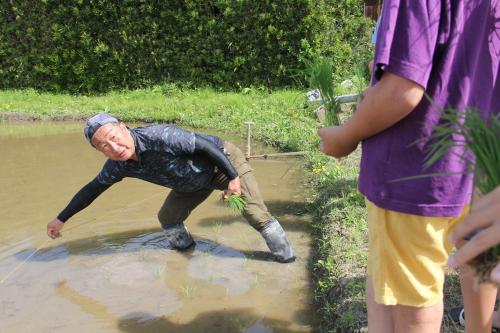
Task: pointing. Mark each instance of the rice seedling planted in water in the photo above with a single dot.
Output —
(217, 227)
(482, 138)
(187, 291)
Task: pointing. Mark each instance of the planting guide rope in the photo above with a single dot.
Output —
(18, 266)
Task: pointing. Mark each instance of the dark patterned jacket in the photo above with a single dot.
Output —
(168, 156)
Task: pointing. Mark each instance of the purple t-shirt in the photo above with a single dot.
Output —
(452, 49)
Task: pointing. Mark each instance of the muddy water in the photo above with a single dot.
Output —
(110, 271)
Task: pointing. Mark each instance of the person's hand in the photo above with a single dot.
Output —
(232, 188)
(485, 220)
(334, 142)
(54, 227)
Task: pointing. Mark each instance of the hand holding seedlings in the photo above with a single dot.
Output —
(236, 202)
(375, 113)
(485, 217)
(319, 73)
(481, 137)
(335, 142)
(232, 188)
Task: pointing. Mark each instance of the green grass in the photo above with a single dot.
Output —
(280, 116)
(340, 243)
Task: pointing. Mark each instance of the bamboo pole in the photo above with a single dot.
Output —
(266, 156)
(249, 134)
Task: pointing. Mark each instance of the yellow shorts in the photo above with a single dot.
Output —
(407, 255)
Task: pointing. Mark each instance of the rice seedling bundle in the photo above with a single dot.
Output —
(236, 202)
(319, 73)
(482, 138)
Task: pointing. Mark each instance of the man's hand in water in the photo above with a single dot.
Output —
(54, 228)
(232, 188)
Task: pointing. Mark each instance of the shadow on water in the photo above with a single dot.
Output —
(281, 209)
(233, 320)
(220, 321)
(130, 241)
(136, 240)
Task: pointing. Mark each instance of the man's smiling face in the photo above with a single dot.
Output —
(114, 141)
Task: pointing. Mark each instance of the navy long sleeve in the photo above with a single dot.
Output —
(82, 199)
(203, 146)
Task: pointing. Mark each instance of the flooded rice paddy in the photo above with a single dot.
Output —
(110, 272)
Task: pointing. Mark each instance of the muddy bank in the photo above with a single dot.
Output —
(28, 117)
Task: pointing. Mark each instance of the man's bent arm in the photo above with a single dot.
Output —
(203, 146)
(82, 199)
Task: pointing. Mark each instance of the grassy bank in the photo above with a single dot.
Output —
(282, 119)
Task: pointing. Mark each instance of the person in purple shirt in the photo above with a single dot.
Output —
(429, 55)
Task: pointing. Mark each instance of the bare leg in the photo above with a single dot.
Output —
(410, 319)
(400, 318)
(496, 317)
(379, 315)
(478, 303)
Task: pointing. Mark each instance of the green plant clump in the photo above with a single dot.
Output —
(97, 46)
(236, 202)
(319, 73)
(482, 138)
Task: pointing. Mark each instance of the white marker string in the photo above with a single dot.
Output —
(22, 263)
(18, 266)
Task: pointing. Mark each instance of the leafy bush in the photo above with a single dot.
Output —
(89, 46)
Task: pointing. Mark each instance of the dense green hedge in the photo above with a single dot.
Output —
(88, 46)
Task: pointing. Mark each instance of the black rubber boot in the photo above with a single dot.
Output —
(277, 241)
(178, 237)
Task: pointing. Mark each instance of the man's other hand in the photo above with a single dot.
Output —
(232, 188)
(54, 227)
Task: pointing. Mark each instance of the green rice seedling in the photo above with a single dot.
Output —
(319, 75)
(159, 271)
(257, 278)
(107, 277)
(482, 138)
(361, 79)
(244, 264)
(217, 227)
(236, 202)
(187, 291)
(143, 256)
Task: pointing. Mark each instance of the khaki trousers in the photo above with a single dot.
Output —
(178, 205)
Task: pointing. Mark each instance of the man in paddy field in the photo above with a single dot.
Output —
(449, 51)
(193, 165)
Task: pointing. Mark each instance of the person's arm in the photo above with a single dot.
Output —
(382, 106)
(82, 199)
(210, 150)
(203, 146)
(485, 220)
